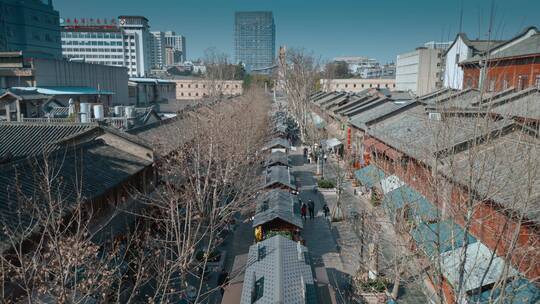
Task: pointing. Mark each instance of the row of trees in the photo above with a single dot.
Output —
(172, 234)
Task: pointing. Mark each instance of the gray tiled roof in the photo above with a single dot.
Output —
(522, 104)
(285, 270)
(278, 175)
(355, 103)
(505, 170)
(25, 139)
(87, 171)
(363, 119)
(442, 97)
(277, 158)
(277, 142)
(412, 133)
(528, 46)
(365, 106)
(280, 204)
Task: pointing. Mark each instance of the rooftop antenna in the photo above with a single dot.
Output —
(461, 17)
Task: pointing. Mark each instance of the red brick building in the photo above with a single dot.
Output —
(515, 63)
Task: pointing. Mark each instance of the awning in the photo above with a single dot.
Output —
(481, 267)
(438, 238)
(64, 90)
(331, 143)
(391, 183)
(370, 176)
(418, 207)
(517, 291)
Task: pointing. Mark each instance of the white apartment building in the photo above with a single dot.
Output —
(419, 71)
(123, 42)
(137, 43)
(158, 50)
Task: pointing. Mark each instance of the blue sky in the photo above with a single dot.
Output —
(377, 28)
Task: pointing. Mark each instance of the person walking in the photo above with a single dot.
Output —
(311, 207)
(326, 211)
(303, 211)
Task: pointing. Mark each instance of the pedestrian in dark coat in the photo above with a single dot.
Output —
(303, 211)
(311, 207)
(326, 211)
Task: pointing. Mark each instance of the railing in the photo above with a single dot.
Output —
(48, 120)
(116, 122)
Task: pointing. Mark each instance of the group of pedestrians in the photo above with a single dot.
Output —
(310, 207)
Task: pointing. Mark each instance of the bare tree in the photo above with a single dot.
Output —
(301, 77)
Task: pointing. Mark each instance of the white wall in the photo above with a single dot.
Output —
(453, 74)
(407, 66)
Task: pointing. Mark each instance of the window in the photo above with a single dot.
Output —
(346, 85)
(261, 252)
(457, 58)
(538, 81)
(491, 87)
(468, 82)
(258, 290)
(523, 82)
(354, 85)
(189, 85)
(196, 94)
(181, 85)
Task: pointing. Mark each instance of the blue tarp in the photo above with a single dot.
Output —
(440, 237)
(519, 291)
(370, 176)
(419, 207)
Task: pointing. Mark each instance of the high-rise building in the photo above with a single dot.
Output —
(157, 51)
(137, 41)
(255, 39)
(124, 42)
(98, 41)
(178, 44)
(419, 71)
(30, 26)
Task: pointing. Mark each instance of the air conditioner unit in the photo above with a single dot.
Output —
(434, 116)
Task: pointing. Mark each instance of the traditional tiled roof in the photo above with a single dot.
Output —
(363, 119)
(278, 271)
(278, 175)
(277, 204)
(20, 139)
(414, 134)
(526, 43)
(277, 158)
(522, 104)
(503, 170)
(277, 143)
(83, 172)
